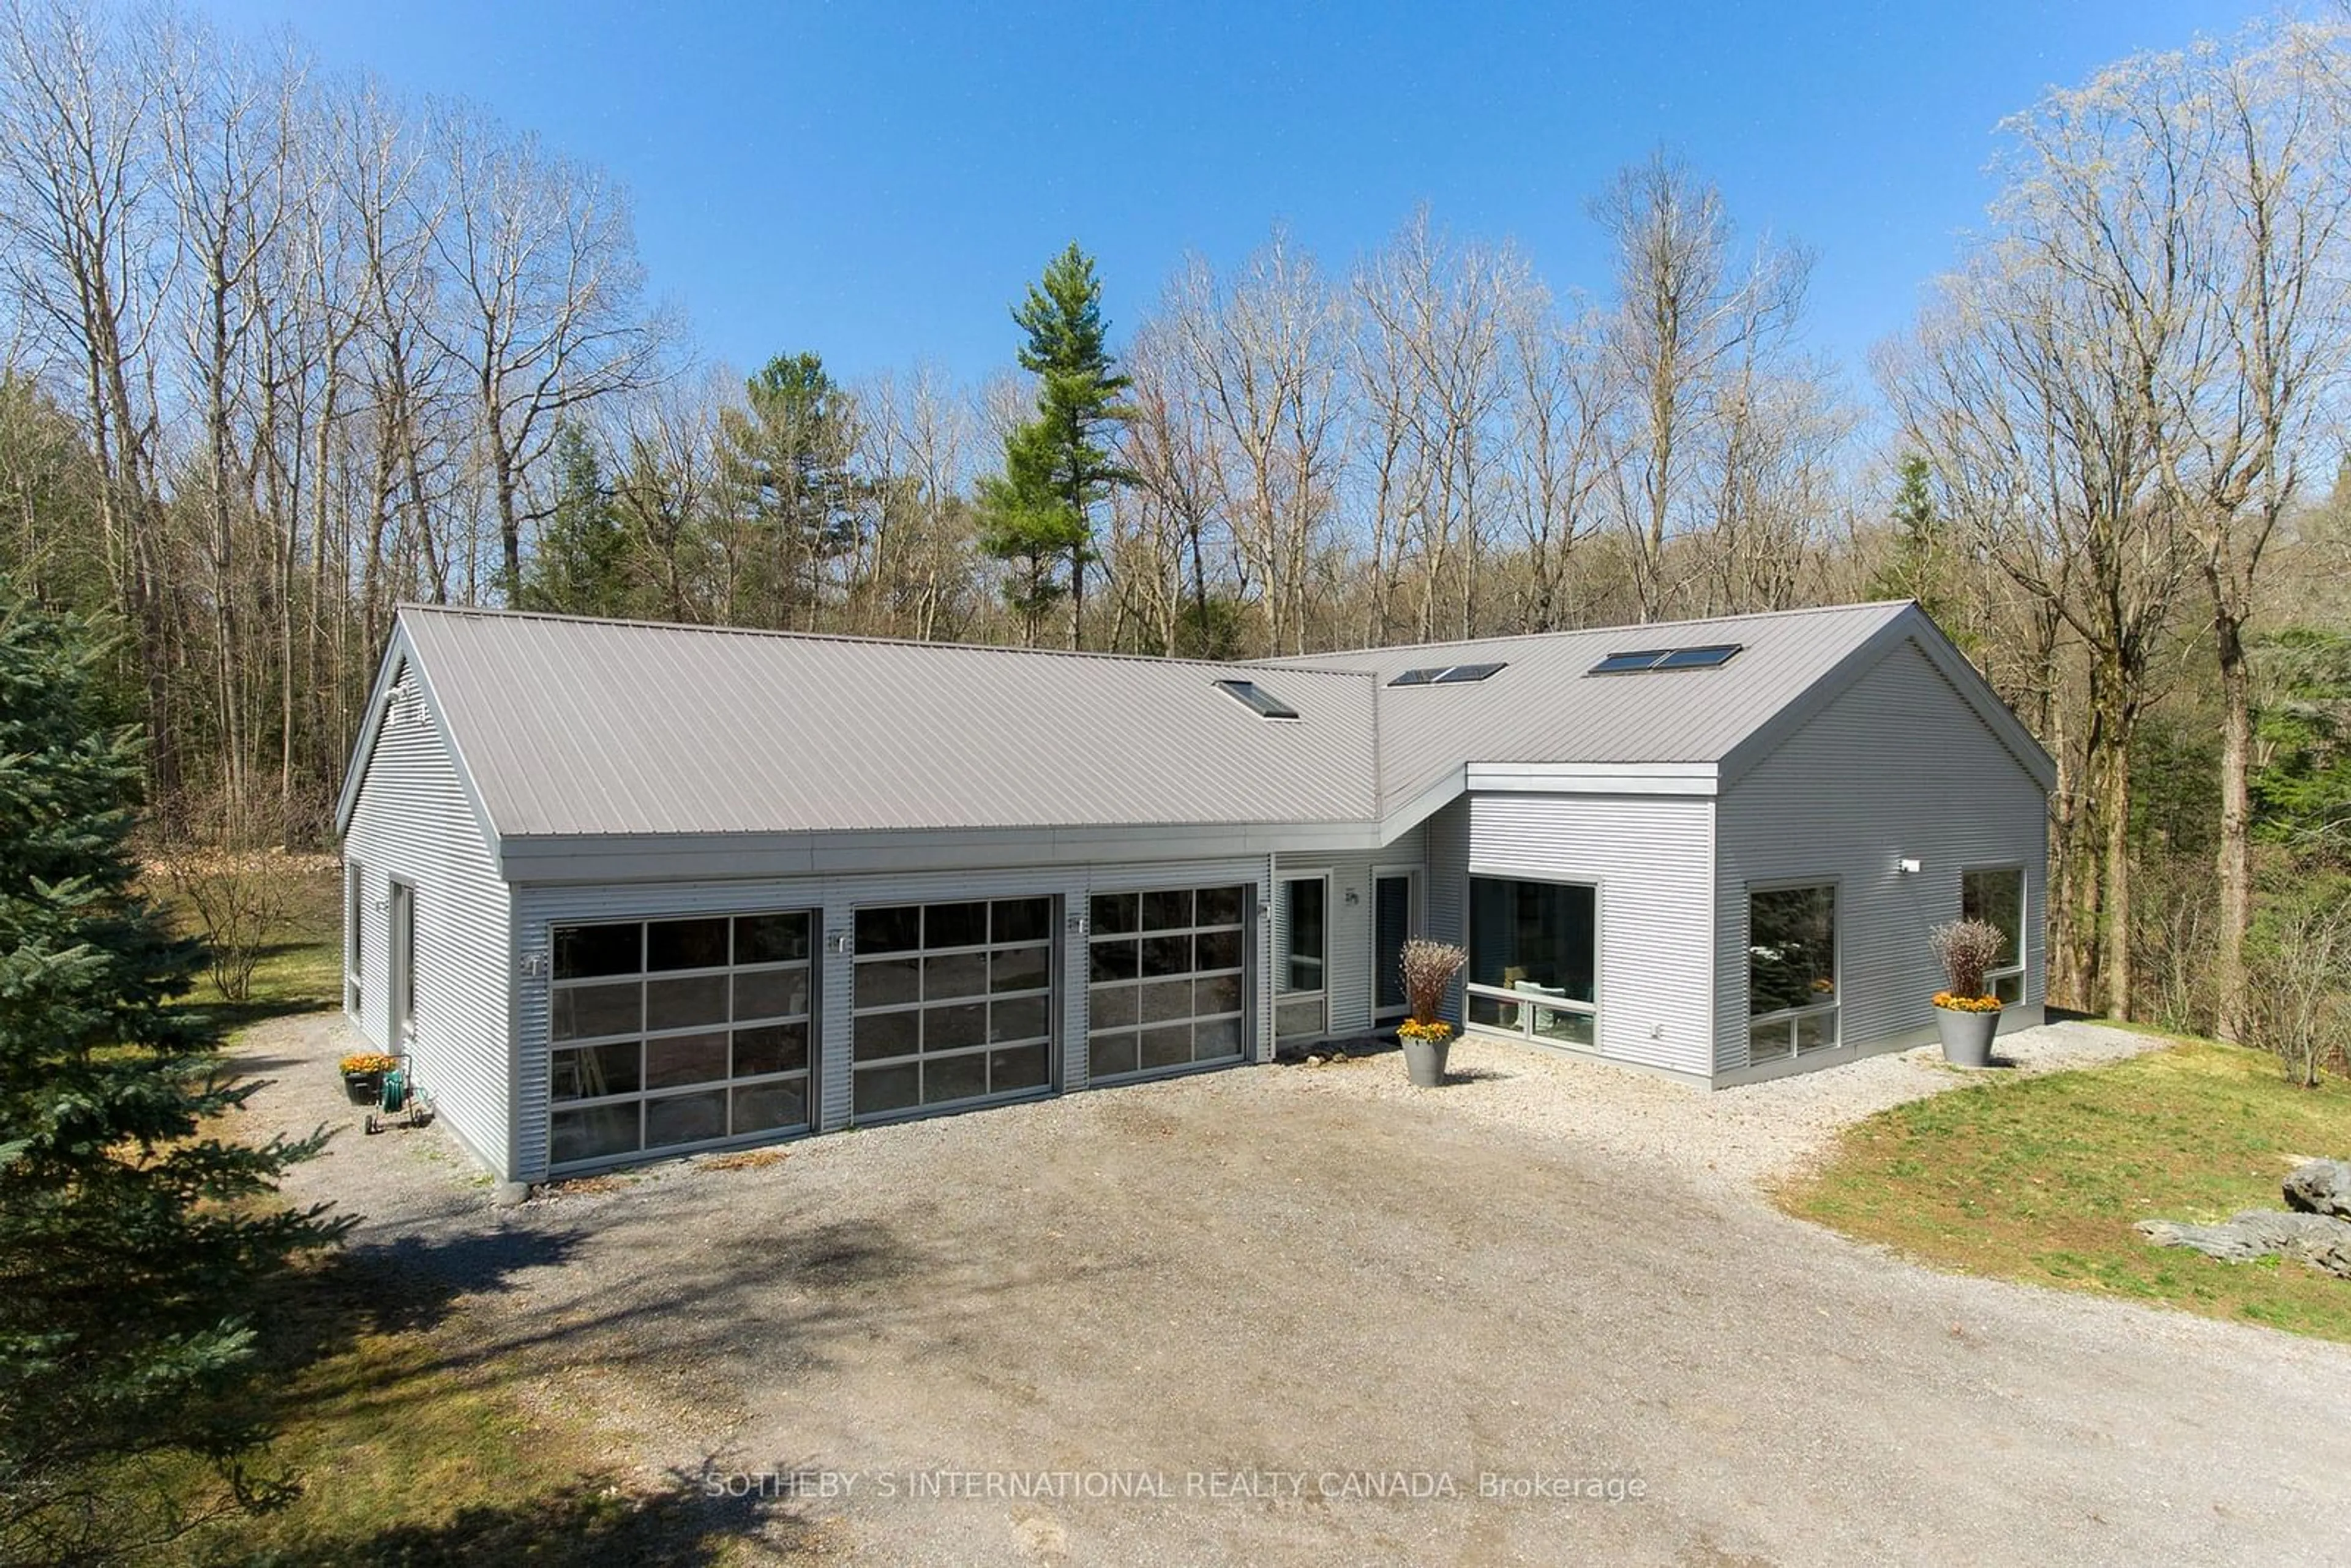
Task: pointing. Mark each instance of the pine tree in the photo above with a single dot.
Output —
(581, 566)
(787, 456)
(1921, 564)
(1057, 466)
(131, 1236)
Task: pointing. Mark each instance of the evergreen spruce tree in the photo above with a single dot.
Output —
(581, 565)
(133, 1237)
(1920, 566)
(1057, 466)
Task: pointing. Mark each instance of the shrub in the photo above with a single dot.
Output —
(2299, 967)
(1966, 948)
(242, 899)
(1428, 969)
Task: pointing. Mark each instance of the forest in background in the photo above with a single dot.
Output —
(285, 348)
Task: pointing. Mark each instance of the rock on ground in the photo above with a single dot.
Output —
(2320, 1239)
(2320, 1186)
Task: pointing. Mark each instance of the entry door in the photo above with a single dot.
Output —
(1393, 897)
(404, 962)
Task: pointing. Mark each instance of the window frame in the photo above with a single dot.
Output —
(1285, 996)
(1416, 919)
(1528, 1004)
(644, 1095)
(1792, 1018)
(355, 940)
(2014, 971)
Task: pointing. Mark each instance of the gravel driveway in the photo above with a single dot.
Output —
(1249, 1302)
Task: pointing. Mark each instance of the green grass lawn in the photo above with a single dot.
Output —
(407, 1451)
(2041, 1179)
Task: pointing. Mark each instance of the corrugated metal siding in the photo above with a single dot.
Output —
(1447, 837)
(538, 907)
(1651, 856)
(412, 822)
(1347, 971)
(1898, 765)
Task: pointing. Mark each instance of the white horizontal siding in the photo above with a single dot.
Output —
(1898, 765)
(412, 820)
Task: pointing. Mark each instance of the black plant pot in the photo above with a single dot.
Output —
(364, 1087)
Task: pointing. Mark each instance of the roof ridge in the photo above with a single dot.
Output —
(1240, 667)
(1622, 626)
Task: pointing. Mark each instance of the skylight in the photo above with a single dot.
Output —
(1445, 675)
(1260, 701)
(1642, 660)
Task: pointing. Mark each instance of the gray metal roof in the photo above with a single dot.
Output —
(578, 726)
(1542, 707)
(568, 726)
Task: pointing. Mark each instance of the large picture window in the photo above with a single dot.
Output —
(1995, 895)
(1791, 972)
(673, 1033)
(1533, 959)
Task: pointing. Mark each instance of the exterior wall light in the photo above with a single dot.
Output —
(1906, 866)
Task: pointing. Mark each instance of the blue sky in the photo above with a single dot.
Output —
(878, 183)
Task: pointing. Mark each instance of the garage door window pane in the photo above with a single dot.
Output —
(685, 1119)
(1021, 1067)
(1218, 949)
(1116, 912)
(1022, 919)
(889, 981)
(680, 1059)
(1170, 910)
(956, 975)
(772, 1047)
(898, 929)
(881, 1089)
(946, 1078)
(764, 1107)
(881, 1036)
(1168, 1047)
(585, 952)
(1110, 1007)
(685, 945)
(1165, 999)
(1220, 995)
(1019, 968)
(1023, 1018)
(593, 1133)
(593, 1071)
(1112, 1055)
(951, 1028)
(955, 925)
(682, 1003)
(584, 1012)
(1166, 955)
(1115, 960)
(771, 938)
(1221, 906)
(1213, 1039)
(770, 993)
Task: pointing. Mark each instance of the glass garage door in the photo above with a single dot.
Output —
(1164, 983)
(667, 1034)
(954, 1004)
